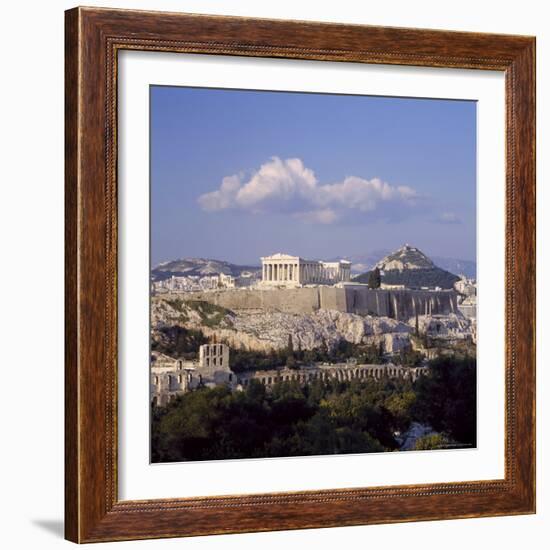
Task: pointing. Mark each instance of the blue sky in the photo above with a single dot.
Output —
(239, 174)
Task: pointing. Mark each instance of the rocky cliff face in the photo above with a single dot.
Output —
(406, 257)
(270, 330)
(314, 330)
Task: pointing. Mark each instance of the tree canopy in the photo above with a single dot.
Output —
(374, 278)
(324, 417)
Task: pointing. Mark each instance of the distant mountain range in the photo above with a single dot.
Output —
(410, 267)
(458, 267)
(198, 267)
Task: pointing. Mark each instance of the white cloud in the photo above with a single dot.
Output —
(361, 194)
(324, 216)
(448, 218)
(289, 186)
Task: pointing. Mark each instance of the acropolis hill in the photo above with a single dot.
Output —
(292, 284)
(316, 303)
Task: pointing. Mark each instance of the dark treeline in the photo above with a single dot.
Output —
(411, 278)
(292, 357)
(178, 342)
(321, 418)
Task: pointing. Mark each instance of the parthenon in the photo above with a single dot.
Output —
(284, 270)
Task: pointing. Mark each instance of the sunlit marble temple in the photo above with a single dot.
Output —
(288, 271)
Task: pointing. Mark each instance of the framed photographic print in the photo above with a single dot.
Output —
(300, 275)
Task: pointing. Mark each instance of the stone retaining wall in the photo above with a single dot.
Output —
(396, 304)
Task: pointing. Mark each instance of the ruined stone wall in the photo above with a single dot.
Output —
(397, 304)
(340, 372)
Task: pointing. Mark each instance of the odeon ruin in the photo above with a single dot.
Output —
(171, 377)
(340, 372)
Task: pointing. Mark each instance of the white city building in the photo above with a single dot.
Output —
(288, 271)
(465, 286)
(468, 307)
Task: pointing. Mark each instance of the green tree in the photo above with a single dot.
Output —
(178, 341)
(399, 405)
(375, 279)
(290, 345)
(446, 398)
(410, 357)
(255, 391)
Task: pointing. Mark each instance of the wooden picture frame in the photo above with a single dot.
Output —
(93, 511)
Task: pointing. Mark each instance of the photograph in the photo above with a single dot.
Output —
(281, 270)
(313, 274)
